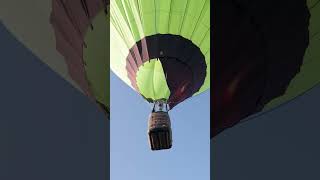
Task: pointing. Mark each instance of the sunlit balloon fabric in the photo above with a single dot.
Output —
(81, 32)
(161, 48)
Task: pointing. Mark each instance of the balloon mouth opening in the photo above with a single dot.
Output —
(159, 131)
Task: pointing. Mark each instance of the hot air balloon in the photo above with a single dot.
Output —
(72, 37)
(266, 54)
(161, 49)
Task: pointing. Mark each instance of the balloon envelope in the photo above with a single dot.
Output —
(161, 48)
(273, 57)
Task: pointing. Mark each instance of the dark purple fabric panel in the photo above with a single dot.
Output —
(65, 26)
(75, 68)
(237, 83)
(179, 79)
(258, 48)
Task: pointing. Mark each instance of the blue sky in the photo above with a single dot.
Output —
(131, 157)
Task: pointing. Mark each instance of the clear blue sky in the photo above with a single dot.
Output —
(131, 157)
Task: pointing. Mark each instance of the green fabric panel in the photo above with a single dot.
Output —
(314, 20)
(147, 9)
(152, 82)
(135, 19)
(118, 54)
(201, 28)
(205, 45)
(131, 18)
(178, 9)
(96, 58)
(162, 16)
(120, 22)
(309, 74)
(192, 18)
(312, 3)
(314, 28)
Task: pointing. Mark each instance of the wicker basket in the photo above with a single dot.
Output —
(159, 130)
